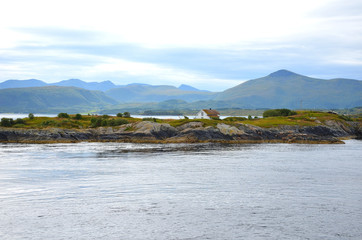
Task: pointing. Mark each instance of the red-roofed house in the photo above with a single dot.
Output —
(208, 114)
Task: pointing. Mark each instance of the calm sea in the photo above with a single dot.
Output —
(24, 115)
(181, 191)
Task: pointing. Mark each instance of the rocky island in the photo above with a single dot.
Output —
(305, 127)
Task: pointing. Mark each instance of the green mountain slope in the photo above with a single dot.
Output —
(150, 93)
(52, 99)
(290, 90)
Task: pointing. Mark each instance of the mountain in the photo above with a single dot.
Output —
(281, 89)
(158, 93)
(285, 89)
(52, 99)
(190, 88)
(22, 83)
(100, 86)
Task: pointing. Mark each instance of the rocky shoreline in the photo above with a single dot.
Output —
(192, 132)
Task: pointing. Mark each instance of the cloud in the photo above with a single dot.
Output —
(208, 44)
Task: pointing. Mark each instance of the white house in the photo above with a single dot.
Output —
(207, 114)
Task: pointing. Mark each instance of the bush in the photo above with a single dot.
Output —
(31, 116)
(121, 122)
(278, 112)
(96, 122)
(101, 122)
(126, 115)
(117, 122)
(78, 116)
(119, 115)
(49, 123)
(19, 121)
(63, 115)
(215, 118)
(7, 122)
(234, 119)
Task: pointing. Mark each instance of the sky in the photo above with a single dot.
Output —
(211, 45)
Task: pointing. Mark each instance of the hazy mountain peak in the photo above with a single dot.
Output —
(282, 73)
(22, 83)
(187, 88)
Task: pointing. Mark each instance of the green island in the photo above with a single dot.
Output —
(275, 126)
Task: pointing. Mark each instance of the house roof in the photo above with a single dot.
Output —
(211, 112)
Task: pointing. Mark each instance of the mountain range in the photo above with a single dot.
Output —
(52, 99)
(281, 89)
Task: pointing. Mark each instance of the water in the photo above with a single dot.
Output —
(25, 115)
(184, 191)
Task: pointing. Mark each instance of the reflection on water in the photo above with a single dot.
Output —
(180, 191)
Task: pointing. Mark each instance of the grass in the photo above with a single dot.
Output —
(302, 118)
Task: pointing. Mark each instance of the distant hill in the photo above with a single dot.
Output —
(22, 83)
(190, 88)
(281, 89)
(151, 93)
(52, 99)
(100, 86)
(285, 89)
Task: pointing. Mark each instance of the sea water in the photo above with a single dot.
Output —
(181, 191)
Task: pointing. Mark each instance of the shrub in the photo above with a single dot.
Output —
(78, 116)
(250, 117)
(31, 116)
(63, 115)
(119, 115)
(48, 123)
(278, 112)
(126, 115)
(19, 121)
(101, 122)
(234, 119)
(215, 118)
(96, 122)
(121, 122)
(7, 122)
(117, 122)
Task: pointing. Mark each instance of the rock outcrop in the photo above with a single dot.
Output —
(145, 131)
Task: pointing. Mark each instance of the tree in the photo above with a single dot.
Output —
(278, 112)
(31, 116)
(78, 116)
(126, 115)
(7, 122)
(119, 115)
(63, 115)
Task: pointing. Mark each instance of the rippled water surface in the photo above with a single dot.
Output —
(180, 191)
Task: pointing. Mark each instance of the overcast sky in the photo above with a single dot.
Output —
(208, 44)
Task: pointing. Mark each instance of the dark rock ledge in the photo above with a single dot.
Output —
(191, 132)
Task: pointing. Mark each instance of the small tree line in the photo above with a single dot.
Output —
(278, 112)
(9, 122)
